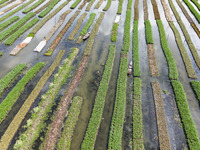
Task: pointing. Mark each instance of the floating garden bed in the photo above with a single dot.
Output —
(88, 24)
(9, 78)
(82, 4)
(43, 7)
(107, 5)
(5, 4)
(196, 88)
(8, 22)
(98, 4)
(75, 4)
(119, 10)
(114, 32)
(90, 5)
(96, 116)
(39, 2)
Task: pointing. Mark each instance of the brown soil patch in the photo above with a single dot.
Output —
(146, 15)
(155, 10)
(82, 4)
(152, 61)
(136, 11)
(196, 29)
(166, 10)
(164, 142)
(185, 12)
(80, 39)
(56, 125)
(63, 31)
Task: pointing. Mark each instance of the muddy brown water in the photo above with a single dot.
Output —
(90, 81)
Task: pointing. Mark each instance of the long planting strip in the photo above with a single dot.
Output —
(196, 3)
(138, 143)
(43, 7)
(40, 113)
(82, 4)
(193, 10)
(95, 119)
(16, 26)
(89, 5)
(48, 9)
(16, 122)
(136, 10)
(77, 27)
(2, 1)
(117, 122)
(61, 34)
(19, 32)
(39, 2)
(186, 59)
(86, 27)
(155, 10)
(98, 4)
(9, 78)
(56, 125)
(114, 32)
(186, 34)
(151, 52)
(136, 57)
(185, 115)
(16, 10)
(173, 72)
(12, 97)
(8, 22)
(146, 15)
(188, 18)
(107, 5)
(11, 7)
(32, 33)
(51, 32)
(163, 136)
(72, 118)
(75, 4)
(196, 88)
(5, 4)
(119, 10)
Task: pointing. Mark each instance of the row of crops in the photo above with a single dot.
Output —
(43, 102)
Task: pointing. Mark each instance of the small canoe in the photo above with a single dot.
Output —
(86, 36)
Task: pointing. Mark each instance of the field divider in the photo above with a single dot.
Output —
(16, 122)
(77, 27)
(42, 44)
(40, 113)
(10, 76)
(163, 135)
(61, 34)
(96, 116)
(16, 10)
(55, 127)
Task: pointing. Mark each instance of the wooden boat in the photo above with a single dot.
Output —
(86, 36)
(130, 67)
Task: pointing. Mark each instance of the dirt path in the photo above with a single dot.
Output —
(164, 142)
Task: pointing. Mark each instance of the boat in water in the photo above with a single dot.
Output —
(86, 36)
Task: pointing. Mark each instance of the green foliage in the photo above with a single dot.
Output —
(41, 23)
(16, 26)
(19, 32)
(196, 4)
(107, 5)
(33, 6)
(148, 32)
(9, 78)
(88, 24)
(173, 72)
(15, 11)
(193, 10)
(8, 22)
(41, 113)
(119, 10)
(72, 118)
(196, 88)
(2, 1)
(75, 4)
(12, 97)
(1, 54)
(95, 119)
(186, 118)
(114, 32)
(116, 129)
(89, 5)
(137, 115)
(136, 57)
(48, 9)
(127, 39)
